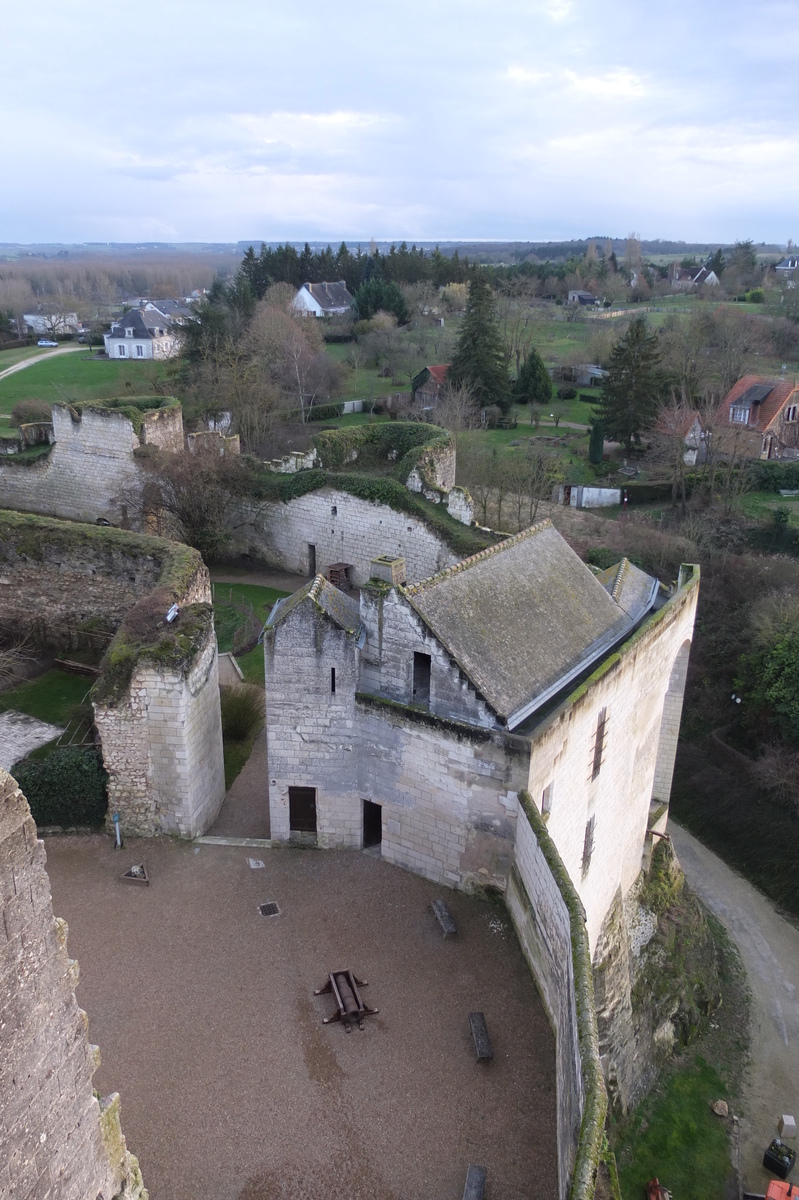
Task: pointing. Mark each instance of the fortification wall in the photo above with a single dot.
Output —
(541, 918)
(633, 687)
(341, 528)
(58, 1141)
(162, 748)
(163, 427)
(91, 461)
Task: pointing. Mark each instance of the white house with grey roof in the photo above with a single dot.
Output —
(142, 334)
(412, 719)
(323, 300)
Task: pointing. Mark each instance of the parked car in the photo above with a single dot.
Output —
(46, 342)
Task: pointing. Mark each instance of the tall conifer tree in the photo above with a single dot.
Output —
(632, 390)
(479, 361)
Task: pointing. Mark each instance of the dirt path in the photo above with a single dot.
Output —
(37, 358)
(769, 947)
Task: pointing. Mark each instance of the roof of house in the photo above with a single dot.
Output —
(524, 617)
(768, 396)
(144, 323)
(330, 295)
(678, 421)
(335, 604)
(629, 586)
(791, 263)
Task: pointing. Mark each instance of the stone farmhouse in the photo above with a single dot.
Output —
(323, 300)
(142, 334)
(759, 418)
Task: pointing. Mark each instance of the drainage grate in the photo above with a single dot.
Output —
(270, 909)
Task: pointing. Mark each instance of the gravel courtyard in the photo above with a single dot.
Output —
(232, 1089)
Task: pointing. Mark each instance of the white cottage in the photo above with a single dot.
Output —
(323, 300)
(142, 334)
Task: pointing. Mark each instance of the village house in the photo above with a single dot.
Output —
(684, 278)
(688, 426)
(759, 418)
(323, 300)
(142, 334)
(52, 323)
(578, 297)
(788, 264)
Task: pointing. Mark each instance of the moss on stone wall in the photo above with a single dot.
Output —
(132, 407)
(400, 443)
(254, 482)
(592, 1131)
(144, 633)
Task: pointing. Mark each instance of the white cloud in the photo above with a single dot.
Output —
(620, 83)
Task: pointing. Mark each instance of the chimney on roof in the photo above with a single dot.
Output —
(389, 569)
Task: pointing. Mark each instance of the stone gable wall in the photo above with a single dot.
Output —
(55, 1135)
(357, 532)
(632, 686)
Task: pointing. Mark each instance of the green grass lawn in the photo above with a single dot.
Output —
(227, 618)
(51, 697)
(9, 357)
(76, 376)
(675, 1136)
(760, 505)
(252, 665)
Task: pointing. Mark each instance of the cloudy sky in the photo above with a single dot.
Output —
(219, 120)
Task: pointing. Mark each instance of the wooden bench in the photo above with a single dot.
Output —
(444, 918)
(482, 1042)
(475, 1183)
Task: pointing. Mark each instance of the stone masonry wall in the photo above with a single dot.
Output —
(163, 427)
(356, 532)
(90, 463)
(542, 923)
(57, 1141)
(632, 687)
(162, 748)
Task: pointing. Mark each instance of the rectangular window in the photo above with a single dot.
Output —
(546, 799)
(740, 416)
(122, 351)
(333, 680)
(588, 845)
(790, 413)
(599, 742)
(140, 351)
(302, 809)
(421, 679)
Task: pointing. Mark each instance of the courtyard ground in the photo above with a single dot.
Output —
(232, 1089)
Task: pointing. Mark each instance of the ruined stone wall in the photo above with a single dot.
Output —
(90, 463)
(162, 748)
(57, 1141)
(632, 686)
(393, 634)
(356, 532)
(163, 427)
(542, 923)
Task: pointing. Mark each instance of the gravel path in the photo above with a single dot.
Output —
(232, 1089)
(245, 811)
(29, 362)
(769, 947)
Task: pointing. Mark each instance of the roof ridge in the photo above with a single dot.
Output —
(620, 577)
(480, 556)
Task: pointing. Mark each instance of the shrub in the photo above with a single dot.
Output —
(26, 411)
(756, 296)
(326, 412)
(66, 788)
(242, 711)
(567, 393)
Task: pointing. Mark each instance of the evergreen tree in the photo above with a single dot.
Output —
(596, 443)
(479, 358)
(376, 295)
(632, 390)
(533, 384)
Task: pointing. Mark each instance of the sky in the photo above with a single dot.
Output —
(220, 120)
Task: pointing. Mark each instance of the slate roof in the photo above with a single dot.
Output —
(524, 617)
(330, 295)
(772, 403)
(340, 608)
(631, 588)
(143, 325)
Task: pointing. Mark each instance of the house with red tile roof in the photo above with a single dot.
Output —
(426, 386)
(759, 417)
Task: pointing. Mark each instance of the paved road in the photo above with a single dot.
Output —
(769, 947)
(37, 358)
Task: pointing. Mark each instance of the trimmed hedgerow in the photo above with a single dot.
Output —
(325, 412)
(66, 788)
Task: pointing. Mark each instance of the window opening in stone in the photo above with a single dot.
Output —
(302, 809)
(333, 510)
(599, 742)
(372, 824)
(333, 680)
(311, 559)
(588, 844)
(421, 679)
(546, 799)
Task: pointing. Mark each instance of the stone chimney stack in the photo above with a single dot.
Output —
(389, 569)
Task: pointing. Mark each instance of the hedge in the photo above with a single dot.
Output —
(325, 412)
(66, 788)
(771, 476)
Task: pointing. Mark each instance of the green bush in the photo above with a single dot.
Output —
(242, 711)
(567, 393)
(771, 476)
(326, 412)
(66, 788)
(25, 412)
(756, 296)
